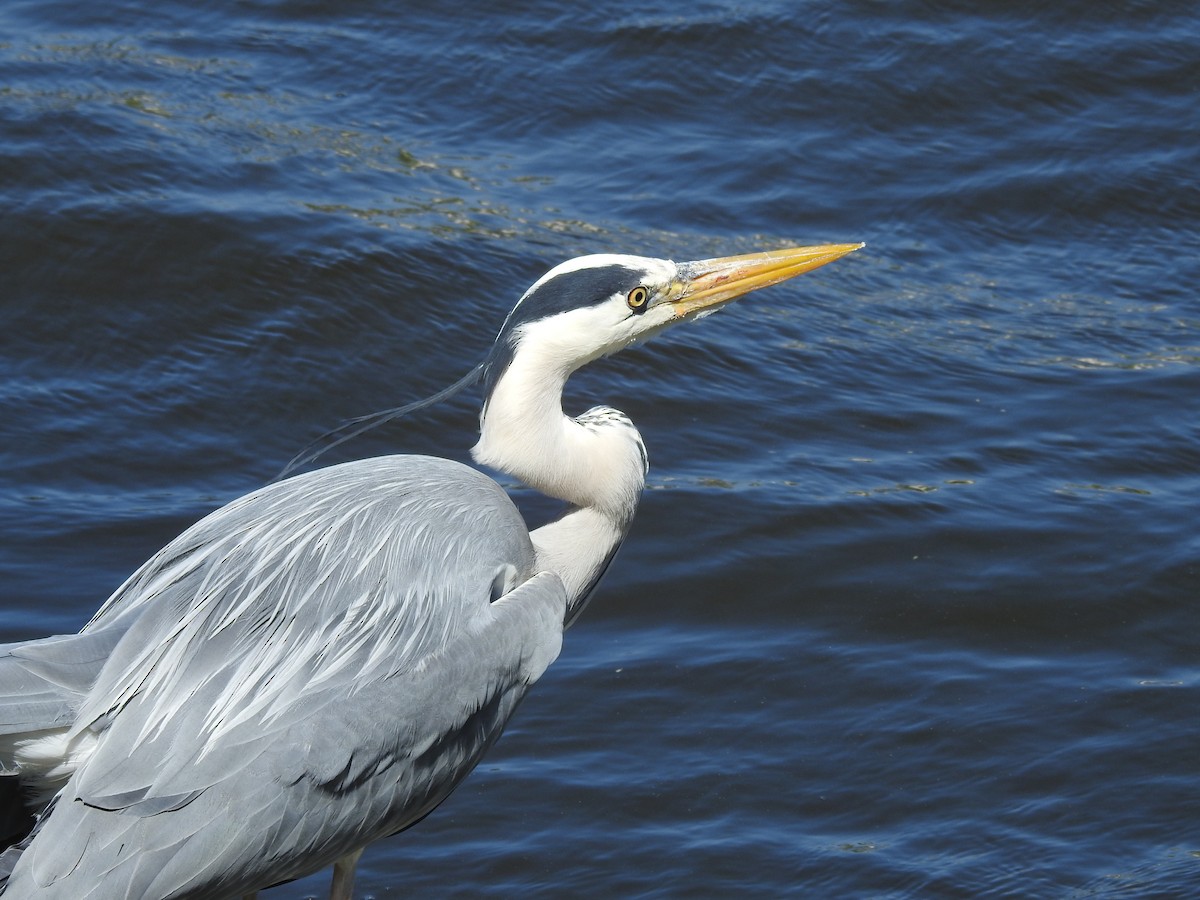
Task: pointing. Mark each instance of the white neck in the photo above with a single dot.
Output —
(595, 463)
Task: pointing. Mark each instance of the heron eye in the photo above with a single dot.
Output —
(637, 298)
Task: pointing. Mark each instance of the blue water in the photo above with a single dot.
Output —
(911, 605)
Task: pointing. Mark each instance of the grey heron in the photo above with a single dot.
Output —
(319, 663)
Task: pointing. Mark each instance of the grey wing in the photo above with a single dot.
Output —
(299, 685)
(42, 679)
(42, 682)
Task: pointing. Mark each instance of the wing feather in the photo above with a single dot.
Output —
(322, 665)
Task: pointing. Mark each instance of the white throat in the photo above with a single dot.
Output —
(594, 462)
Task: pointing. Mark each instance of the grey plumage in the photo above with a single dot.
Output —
(216, 709)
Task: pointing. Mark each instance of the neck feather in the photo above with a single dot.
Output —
(595, 462)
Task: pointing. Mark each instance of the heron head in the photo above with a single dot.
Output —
(592, 306)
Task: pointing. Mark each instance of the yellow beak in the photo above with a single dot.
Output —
(707, 284)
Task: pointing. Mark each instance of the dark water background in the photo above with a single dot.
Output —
(910, 608)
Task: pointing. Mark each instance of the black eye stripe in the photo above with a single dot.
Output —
(571, 290)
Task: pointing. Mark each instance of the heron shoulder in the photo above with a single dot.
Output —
(381, 497)
(353, 572)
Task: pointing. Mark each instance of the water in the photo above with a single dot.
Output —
(910, 606)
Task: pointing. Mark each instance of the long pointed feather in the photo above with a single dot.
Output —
(356, 426)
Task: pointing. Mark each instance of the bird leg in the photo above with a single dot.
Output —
(343, 876)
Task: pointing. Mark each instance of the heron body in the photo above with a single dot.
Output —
(319, 663)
